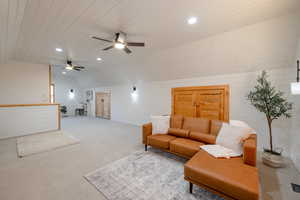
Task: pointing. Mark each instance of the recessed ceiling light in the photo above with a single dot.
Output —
(64, 72)
(59, 50)
(119, 45)
(192, 20)
(99, 59)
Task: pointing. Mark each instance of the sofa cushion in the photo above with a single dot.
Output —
(178, 132)
(186, 147)
(196, 124)
(160, 140)
(176, 121)
(203, 137)
(218, 175)
(215, 127)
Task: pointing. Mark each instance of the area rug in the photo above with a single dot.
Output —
(33, 144)
(151, 175)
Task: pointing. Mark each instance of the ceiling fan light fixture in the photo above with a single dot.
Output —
(99, 59)
(119, 45)
(58, 49)
(192, 20)
(68, 67)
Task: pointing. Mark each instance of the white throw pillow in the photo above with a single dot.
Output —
(231, 137)
(160, 124)
(241, 124)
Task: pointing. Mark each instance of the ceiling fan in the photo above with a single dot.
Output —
(120, 42)
(69, 66)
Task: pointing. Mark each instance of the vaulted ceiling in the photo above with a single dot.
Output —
(32, 29)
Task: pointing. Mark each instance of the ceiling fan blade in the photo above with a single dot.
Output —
(107, 48)
(76, 69)
(79, 67)
(136, 44)
(127, 50)
(105, 40)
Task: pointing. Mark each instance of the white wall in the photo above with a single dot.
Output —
(295, 135)
(24, 83)
(154, 98)
(18, 121)
(63, 85)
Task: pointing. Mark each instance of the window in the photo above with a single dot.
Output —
(52, 93)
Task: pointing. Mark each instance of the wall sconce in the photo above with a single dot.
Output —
(295, 87)
(134, 94)
(71, 94)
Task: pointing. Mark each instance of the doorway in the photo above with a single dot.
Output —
(52, 93)
(103, 105)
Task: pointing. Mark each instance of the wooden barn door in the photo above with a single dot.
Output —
(184, 102)
(210, 102)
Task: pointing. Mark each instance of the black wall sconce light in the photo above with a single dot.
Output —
(295, 87)
(134, 94)
(71, 94)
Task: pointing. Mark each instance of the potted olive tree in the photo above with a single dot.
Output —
(266, 99)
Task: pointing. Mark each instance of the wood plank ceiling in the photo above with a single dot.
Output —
(30, 30)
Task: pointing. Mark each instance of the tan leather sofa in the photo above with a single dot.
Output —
(234, 178)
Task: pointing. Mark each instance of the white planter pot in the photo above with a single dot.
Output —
(272, 160)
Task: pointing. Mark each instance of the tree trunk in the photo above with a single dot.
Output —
(270, 133)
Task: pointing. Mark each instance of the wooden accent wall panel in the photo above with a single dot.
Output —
(210, 102)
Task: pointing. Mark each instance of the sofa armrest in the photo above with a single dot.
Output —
(147, 130)
(249, 149)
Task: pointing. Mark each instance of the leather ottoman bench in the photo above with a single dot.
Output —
(229, 178)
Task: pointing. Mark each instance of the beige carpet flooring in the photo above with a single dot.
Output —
(38, 143)
(58, 175)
